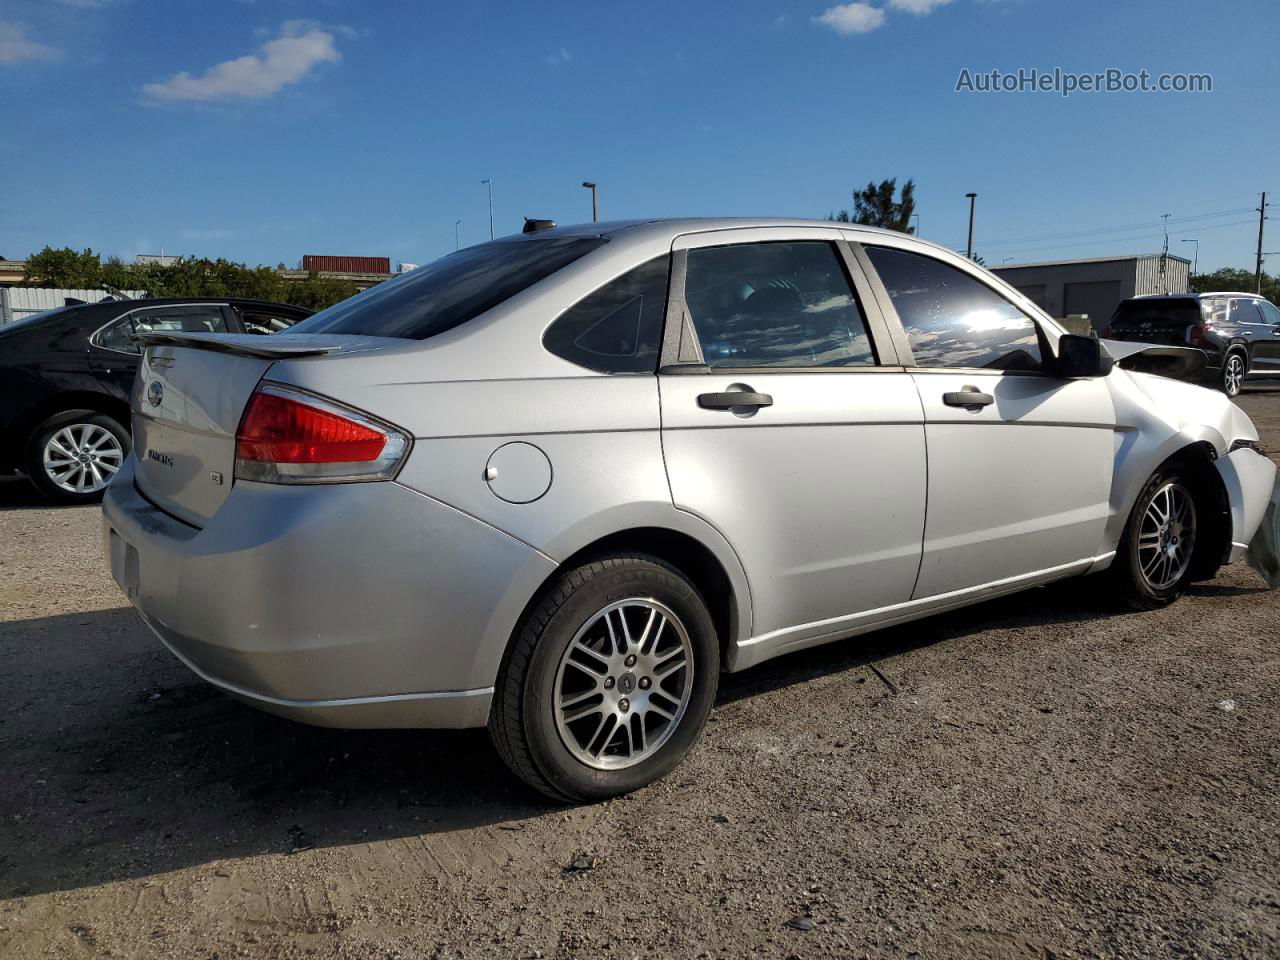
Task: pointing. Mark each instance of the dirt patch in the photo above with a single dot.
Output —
(1035, 777)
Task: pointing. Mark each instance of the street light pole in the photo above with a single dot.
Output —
(1195, 268)
(457, 235)
(973, 197)
(916, 217)
(595, 200)
(489, 181)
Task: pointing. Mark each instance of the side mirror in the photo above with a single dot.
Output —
(1080, 357)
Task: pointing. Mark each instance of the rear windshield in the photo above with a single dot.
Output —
(451, 291)
(1158, 313)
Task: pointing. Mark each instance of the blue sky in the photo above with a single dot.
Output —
(264, 130)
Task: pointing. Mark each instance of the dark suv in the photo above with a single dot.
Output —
(65, 377)
(1239, 331)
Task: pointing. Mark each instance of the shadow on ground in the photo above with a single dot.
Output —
(120, 764)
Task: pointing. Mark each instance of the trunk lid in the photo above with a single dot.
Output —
(188, 398)
(1155, 321)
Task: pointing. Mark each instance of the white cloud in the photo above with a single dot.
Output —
(16, 48)
(918, 7)
(560, 56)
(850, 18)
(278, 63)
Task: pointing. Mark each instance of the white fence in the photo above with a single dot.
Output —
(17, 303)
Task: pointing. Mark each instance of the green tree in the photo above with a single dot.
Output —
(876, 206)
(64, 268)
(1231, 280)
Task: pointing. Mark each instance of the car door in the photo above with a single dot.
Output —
(1020, 462)
(1245, 316)
(1268, 343)
(116, 352)
(789, 425)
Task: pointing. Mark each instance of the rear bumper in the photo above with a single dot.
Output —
(1249, 479)
(350, 605)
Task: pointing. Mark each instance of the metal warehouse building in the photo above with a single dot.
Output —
(1095, 287)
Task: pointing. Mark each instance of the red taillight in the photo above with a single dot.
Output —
(287, 436)
(280, 429)
(1196, 334)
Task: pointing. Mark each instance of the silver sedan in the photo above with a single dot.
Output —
(557, 483)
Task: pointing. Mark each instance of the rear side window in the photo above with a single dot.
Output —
(457, 288)
(122, 334)
(618, 328)
(783, 304)
(951, 318)
(1244, 311)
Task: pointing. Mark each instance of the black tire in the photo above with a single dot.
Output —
(1132, 586)
(523, 721)
(1235, 368)
(34, 462)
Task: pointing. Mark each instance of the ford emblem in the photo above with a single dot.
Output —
(155, 393)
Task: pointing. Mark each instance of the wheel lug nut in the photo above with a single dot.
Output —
(608, 683)
(644, 683)
(624, 704)
(631, 660)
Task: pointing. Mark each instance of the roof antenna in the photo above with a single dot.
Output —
(533, 226)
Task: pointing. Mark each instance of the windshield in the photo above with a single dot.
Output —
(451, 291)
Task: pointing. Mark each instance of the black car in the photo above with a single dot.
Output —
(1240, 332)
(65, 377)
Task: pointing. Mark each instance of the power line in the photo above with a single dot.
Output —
(1117, 229)
(1148, 236)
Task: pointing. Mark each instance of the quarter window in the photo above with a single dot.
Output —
(122, 334)
(951, 318)
(775, 305)
(618, 328)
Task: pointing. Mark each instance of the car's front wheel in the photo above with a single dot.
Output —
(72, 456)
(609, 681)
(1154, 562)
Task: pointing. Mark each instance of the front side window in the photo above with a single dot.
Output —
(122, 335)
(263, 321)
(457, 288)
(1270, 312)
(951, 318)
(618, 328)
(785, 304)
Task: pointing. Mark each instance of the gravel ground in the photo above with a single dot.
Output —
(1033, 777)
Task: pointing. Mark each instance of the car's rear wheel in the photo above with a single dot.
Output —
(73, 455)
(1155, 560)
(1234, 369)
(609, 681)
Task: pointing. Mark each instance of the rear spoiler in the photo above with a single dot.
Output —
(275, 347)
(1168, 361)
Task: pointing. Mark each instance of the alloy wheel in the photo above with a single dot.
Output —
(1233, 375)
(82, 457)
(1167, 536)
(623, 684)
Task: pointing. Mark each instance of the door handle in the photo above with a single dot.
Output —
(968, 397)
(736, 398)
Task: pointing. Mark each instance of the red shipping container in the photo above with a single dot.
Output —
(317, 263)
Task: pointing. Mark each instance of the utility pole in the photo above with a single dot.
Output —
(916, 217)
(1195, 268)
(1164, 255)
(457, 235)
(1262, 219)
(489, 181)
(595, 200)
(973, 197)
